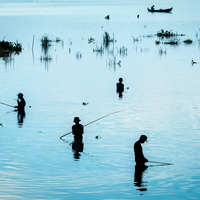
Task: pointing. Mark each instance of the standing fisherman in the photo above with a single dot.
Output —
(21, 103)
(20, 108)
(77, 131)
(139, 156)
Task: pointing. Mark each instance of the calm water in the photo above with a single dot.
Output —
(161, 100)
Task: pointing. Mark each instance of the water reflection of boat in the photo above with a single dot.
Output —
(160, 10)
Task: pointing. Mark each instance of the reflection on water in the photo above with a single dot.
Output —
(162, 102)
(138, 177)
(20, 118)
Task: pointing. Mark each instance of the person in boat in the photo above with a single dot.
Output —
(152, 7)
(21, 103)
(139, 156)
(77, 131)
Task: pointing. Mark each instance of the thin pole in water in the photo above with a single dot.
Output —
(94, 121)
(6, 104)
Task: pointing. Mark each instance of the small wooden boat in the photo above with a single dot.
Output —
(160, 10)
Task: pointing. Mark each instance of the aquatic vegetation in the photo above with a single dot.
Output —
(45, 43)
(98, 49)
(135, 39)
(157, 42)
(161, 52)
(167, 34)
(91, 40)
(107, 39)
(188, 41)
(45, 58)
(122, 51)
(172, 42)
(9, 48)
(78, 55)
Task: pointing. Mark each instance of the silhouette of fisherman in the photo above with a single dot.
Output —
(140, 160)
(139, 156)
(120, 87)
(77, 131)
(21, 103)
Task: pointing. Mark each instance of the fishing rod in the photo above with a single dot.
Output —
(163, 163)
(7, 104)
(94, 121)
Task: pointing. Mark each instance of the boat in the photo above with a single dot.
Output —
(160, 10)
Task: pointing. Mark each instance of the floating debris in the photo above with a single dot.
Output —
(1, 124)
(97, 137)
(85, 103)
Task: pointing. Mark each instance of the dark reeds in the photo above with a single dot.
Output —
(9, 48)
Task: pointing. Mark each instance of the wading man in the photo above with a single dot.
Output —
(77, 131)
(20, 103)
(139, 156)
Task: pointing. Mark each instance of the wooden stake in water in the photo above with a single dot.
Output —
(94, 121)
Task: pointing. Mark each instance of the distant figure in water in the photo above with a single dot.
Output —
(77, 131)
(139, 156)
(152, 7)
(20, 108)
(21, 103)
(120, 87)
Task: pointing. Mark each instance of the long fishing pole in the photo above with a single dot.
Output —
(7, 104)
(161, 163)
(94, 121)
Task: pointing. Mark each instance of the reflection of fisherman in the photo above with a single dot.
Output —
(77, 131)
(152, 7)
(139, 157)
(138, 176)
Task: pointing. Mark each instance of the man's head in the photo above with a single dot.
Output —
(143, 138)
(20, 95)
(120, 80)
(76, 119)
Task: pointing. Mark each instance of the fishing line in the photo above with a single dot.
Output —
(93, 122)
(162, 163)
(7, 104)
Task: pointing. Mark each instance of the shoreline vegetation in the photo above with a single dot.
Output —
(9, 48)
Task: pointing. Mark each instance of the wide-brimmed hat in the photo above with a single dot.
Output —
(76, 119)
